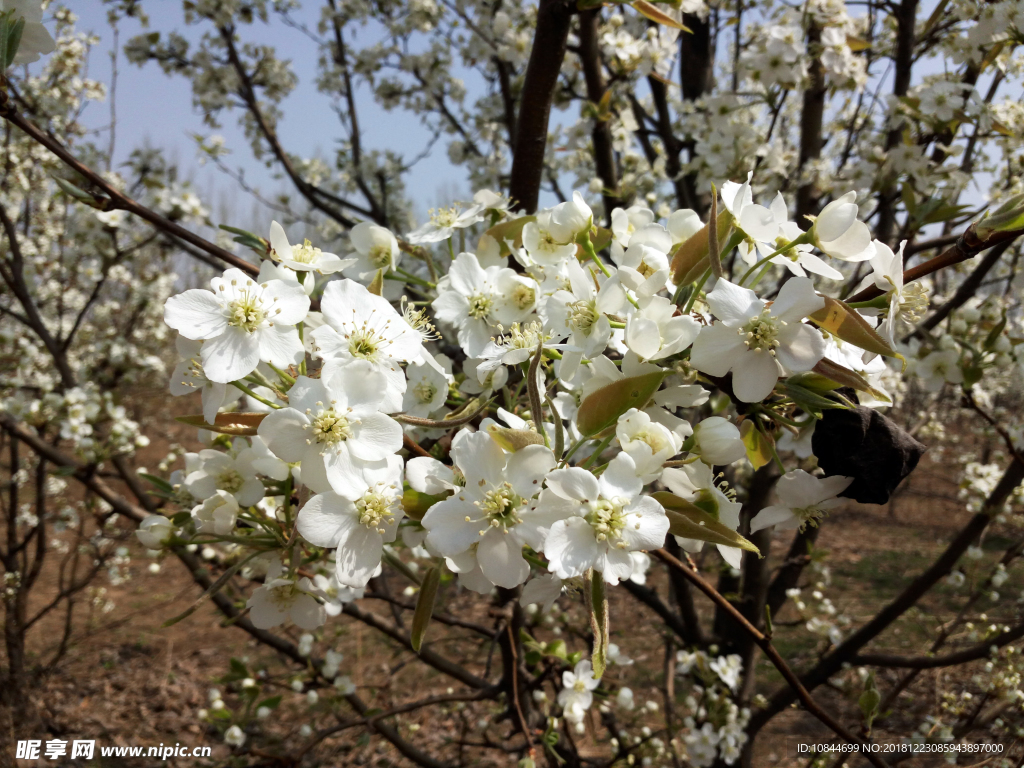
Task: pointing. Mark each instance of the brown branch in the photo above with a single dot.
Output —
(982, 650)
(601, 133)
(967, 246)
(435, 660)
(16, 282)
(116, 200)
(247, 93)
(968, 287)
(765, 643)
(834, 661)
(542, 72)
(811, 136)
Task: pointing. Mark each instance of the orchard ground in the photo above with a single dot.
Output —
(126, 681)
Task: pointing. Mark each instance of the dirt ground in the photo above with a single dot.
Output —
(126, 681)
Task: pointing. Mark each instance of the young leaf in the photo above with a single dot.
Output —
(602, 407)
(226, 423)
(690, 259)
(847, 378)
(376, 286)
(692, 522)
(597, 605)
(425, 607)
(759, 451)
(514, 439)
(510, 231)
(657, 16)
(842, 320)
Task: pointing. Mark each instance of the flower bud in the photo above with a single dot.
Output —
(718, 441)
(155, 531)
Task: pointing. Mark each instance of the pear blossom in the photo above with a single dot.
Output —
(696, 483)
(573, 216)
(443, 223)
(759, 224)
(648, 443)
(356, 528)
(219, 471)
(644, 265)
(717, 441)
(803, 500)
(375, 248)
(154, 532)
(938, 368)
(35, 38)
(577, 692)
(360, 326)
(335, 428)
(234, 736)
(516, 346)
(542, 590)
(907, 303)
(242, 322)
(427, 390)
(759, 342)
(476, 301)
(602, 520)
(627, 221)
(217, 514)
(838, 232)
(582, 313)
(303, 258)
(189, 377)
(655, 332)
(683, 224)
(492, 514)
(281, 599)
(547, 242)
(430, 476)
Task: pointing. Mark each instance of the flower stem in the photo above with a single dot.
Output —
(254, 396)
(696, 291)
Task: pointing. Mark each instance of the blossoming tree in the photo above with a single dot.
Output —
(608, 405)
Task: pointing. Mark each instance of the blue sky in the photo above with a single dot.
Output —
(157, 110)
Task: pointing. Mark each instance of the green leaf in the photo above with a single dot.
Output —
(226, 423)
(557, 649)
(759, 448)
(159, 482)
(869, 701)
(270, 703)
(425, 607)
(842, 320)
(14, 41)
(78, 193)
(691, 522)
(601, 236)
(602, 407)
